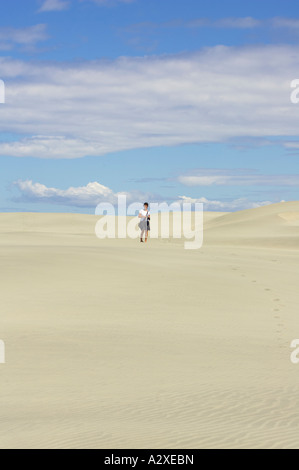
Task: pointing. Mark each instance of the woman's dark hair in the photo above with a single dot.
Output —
(146, 204)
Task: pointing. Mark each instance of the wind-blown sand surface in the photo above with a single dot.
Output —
(114, 344)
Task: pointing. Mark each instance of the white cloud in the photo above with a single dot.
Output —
(230, 23)
(108, 2)
(55, 147)
(238, 23)
(29, 36)
(92, 194)
(54, 5)
(223, 206)
(287, 23)
(204, 180)
(92, 108)
(60, 5)
(247, 22)
(88, 196)
(291, 145)
(242, 178)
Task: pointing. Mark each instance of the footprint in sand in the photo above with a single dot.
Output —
(268, 290)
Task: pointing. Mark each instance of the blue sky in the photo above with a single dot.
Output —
(163, 100)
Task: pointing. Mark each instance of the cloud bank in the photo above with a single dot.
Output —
(71, 110)
(206, 177)
(88, 196)
(26, 37)
(54, 5)
(60, 5)
(92, 194)
(224, 206)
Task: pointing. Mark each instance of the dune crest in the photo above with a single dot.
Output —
(268, 226)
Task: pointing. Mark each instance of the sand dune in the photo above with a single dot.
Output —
(272, 226)
(114, 344)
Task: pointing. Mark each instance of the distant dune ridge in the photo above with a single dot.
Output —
(275, 225)
(115, 344)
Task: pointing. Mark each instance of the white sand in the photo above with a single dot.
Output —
(114, 344)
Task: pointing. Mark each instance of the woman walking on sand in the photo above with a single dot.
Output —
(144, 224)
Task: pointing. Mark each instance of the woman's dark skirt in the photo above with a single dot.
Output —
(145, 225)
